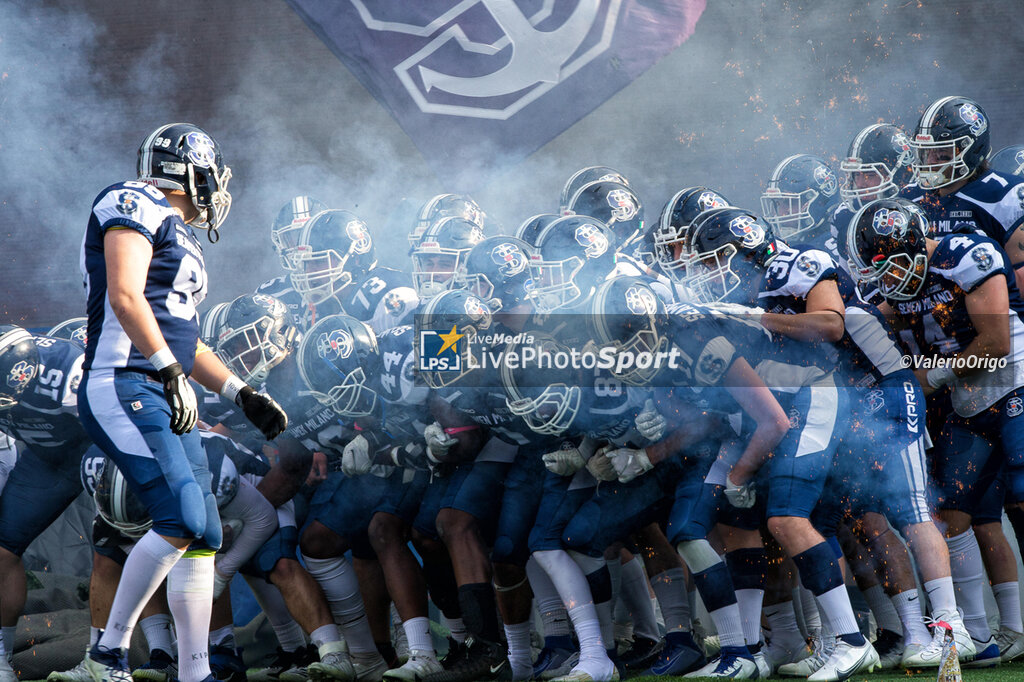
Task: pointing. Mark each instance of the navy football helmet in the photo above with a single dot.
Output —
(442, 206)
(1009, 160)
(335, 248)
(546, 397)
(729, 251)
(799, 194)
(182, 156)
(585, 176)
(336, 357)
(498, 271)
(573, 255)
(460, 311)
(951, 142)
(614, 204)
(19, 364)
(671, 234)
(117, 505)
(627, 315)
(440, 253)
(531, 228)
(255, 336)
(210, 323)
(74, 329)
(887, 247)
(286, 230)
(878, 165)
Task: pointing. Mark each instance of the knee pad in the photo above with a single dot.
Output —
(192, 507)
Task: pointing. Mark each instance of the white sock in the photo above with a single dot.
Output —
(969, 581)
(159, 635)
(519, 658)
(417, 632)
(146, 567)
(289, 633)
(325, 634)
(588, 565)
(880, 605)
(456, 628)
(4, 657)
(635, 594)
(568, 579)
(1008, 599)
(341, 588)
(190, 596)
(552, 610)
(588, 630)
(729, 624)
(670, 589)
(95, 634)
(749, 603)
(809, 610)
(835, 604)
(941, 596)
(908, 606)
(782, 621)
(224, 636)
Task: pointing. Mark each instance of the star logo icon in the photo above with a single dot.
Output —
(450, 339)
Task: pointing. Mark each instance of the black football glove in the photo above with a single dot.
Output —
(180, 397)
(263, 411)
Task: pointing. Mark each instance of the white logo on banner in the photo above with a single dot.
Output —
(540, 60)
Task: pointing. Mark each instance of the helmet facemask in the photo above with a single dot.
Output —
(672, 251)
(940, 163)
(351, 397)
(434, 268)
(866, 182)
(710, 276)
(788, 212)
(318, 275)
(554, 283)
(252, 350)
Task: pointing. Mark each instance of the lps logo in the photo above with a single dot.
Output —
(491, 58)
(440, 351)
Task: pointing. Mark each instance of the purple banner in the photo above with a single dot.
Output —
(478, 84)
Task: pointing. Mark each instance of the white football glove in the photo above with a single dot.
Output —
(650, 423)
(355, 458)
(564, 462)
(740, 496)
(438, 443)
(600, 467)
(629, 463)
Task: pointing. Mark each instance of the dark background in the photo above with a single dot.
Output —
(81, 84)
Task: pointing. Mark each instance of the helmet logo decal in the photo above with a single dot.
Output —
(21, 374)
(593, 241)
(475, 308)
(640, 301)
(128, 202)
(902, 143)
(360, 236)
(826, 180)
(509, 259)
(973, 118)
(888, 221)
(622, 204)
(335, 344)
(709, 200)
(200, 149)
(746, 228)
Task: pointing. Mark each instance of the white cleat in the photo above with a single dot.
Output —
(419, 665)
(591, 670)
(77, 674)
(1011, 644)
(370, 670)
(730, 663)
(930, 655)
(822, 649)
(847, 660)
(764, 668)
(334, 664)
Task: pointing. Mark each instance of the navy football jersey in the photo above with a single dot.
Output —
(938, 324)
(404, 412)
(46, 417)
(383, 298)
(175, 283)
(993, 205)
(608, 411)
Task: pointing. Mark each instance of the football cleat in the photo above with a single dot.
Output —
(591, 670)
(806, 666)
(225, 664)
(107, 665)
(642, 654)
(846, 660)
(986, 655)
(280, 662)
(162, 667)
(77, 674)
(679, 656)
(419, 665)
(889, 646)
(1011, 644)
(483, 661)
(732, 661)
(334, 664)
(552, 659)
